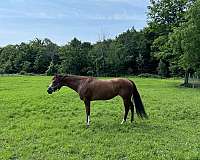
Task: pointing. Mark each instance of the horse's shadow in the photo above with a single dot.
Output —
(135, 127)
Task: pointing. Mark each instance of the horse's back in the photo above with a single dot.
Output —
(107, 89)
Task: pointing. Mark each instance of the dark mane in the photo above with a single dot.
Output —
(77, 76)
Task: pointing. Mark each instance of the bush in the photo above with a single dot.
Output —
(90, 73)
(1, 71)
(148, 75)
(31, 74)
(22, 72)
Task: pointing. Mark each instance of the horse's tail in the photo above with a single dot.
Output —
(138, 102)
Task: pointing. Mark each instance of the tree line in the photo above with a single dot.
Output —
(168, 46)
(129, 53)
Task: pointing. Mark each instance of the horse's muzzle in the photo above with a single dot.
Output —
(50, 90)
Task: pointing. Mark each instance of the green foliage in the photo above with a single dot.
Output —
(52, 69)
(168, 19)
(185, 41)
(134, 47)
(127, 53)
(32, 57)
(22, 73)
(7, 57)
(26, 66)
(74, 57)
(163, 16)
(162, 69)
(98, 56)
(147, 75)
(191, 37)
(140, 62)
(35, 125)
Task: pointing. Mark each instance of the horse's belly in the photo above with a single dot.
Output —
(102, 98)
(103, 95)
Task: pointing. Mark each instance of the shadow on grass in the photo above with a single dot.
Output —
(137, 127)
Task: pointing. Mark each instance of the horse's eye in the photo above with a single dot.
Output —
(53, 82)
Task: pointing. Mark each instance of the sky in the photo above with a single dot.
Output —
(62, 20)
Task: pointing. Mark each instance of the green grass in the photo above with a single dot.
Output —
(35, 125)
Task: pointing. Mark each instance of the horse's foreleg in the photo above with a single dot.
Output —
(126, 106)
(87, 109)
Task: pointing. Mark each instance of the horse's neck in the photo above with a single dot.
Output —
(74, 82)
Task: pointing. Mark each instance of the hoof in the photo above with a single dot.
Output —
(123, 121)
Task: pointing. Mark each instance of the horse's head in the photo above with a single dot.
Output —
(57, 83)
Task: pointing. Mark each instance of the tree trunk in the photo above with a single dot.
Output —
(186, 77)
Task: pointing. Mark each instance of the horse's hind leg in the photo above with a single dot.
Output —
(126, 107)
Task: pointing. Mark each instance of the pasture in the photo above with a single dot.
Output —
(35, 125)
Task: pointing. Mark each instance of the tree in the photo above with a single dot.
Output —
(115, 58)
(185, 41)
(74, 57)
(135, 45)
(46, 51)
(7, 57)
(26, 66)
(52, 69)
(162, 69)
(98, 55)
(163, 16)
(140, 62)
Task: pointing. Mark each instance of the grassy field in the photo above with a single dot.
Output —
(35, 125)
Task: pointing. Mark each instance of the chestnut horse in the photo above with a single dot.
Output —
(91, 89)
